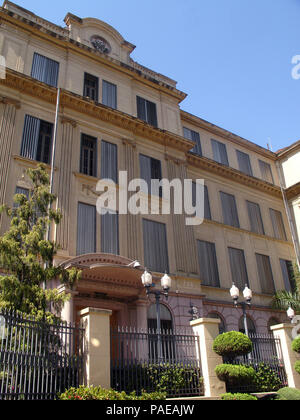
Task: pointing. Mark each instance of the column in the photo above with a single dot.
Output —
(289, 357)
(207, 330)
(96, 346)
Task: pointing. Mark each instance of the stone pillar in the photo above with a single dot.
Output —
(289, 357)
(207, 329)
(96, 346)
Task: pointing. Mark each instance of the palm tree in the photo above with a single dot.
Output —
(289, 299)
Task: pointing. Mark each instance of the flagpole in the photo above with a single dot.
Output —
(54, 150)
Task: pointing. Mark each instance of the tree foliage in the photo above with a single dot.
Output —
(26, 254)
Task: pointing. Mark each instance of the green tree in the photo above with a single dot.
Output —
(26, 255)
(284, 299)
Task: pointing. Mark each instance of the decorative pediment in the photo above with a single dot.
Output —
(99, 35)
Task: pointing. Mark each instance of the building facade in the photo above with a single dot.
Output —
(116, 115)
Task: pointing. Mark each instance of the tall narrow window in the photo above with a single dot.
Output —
(256, 222)
(155, 246)
(110, 233)
(288, 275)
(37, 139)
(265, 274)
(230, 213)
(45, 70)
(278, 225)
(266, 172)
(195, 137)
(109, 94)
(109, 161)
(238, 268)
(207, 212)
(88, 155)
(146, 111)
(220, 152)
(91, 87)
(208, 264)
(244, 163)
(20, 190)
(150, 168)
(86, 229)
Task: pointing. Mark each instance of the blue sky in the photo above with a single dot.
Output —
(232, 57)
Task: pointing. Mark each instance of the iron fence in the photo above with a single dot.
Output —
(166, 361)
(38, 360)
(266, 359)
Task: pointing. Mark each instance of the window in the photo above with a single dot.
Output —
(86, 229)
(256, 223)
(266, 172)
(150, 168)
(20, 190)
(37, 139)
(155, 246)
(230, 213)
(109, 161)
(207, 212)
(278, 225)
(88, 155)
(109, 94)
(244, 163)
(168, 342)
(288, 275)
(250, 325)
(45, 70)
(238, 268)
(208, 265)
(220, 152)
(110, 233)
(195, 137)
(91, 87)
(146, 111)
(265, 274)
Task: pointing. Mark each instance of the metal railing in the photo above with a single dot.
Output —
(38, 360)
(266, 355)
(166, 361)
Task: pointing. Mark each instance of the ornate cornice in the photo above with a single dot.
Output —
(233, 175)
(227, 135)
(71, 101)
(10, 101)
(293, 191)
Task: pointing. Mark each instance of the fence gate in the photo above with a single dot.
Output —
(267, 354)
(37, 360)
(151, 361)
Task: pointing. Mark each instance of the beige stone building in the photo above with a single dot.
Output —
(117, 115)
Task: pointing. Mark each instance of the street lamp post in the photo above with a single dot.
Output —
(235, 293)
(166, 282)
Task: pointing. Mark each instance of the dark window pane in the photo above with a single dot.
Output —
(150, 168)
(109, 161)
(265, 274)
(238, 268)
(146, 111)
(278, 225)
(88, 155)
(230, 213)
(110, 233)
(91, 87)
(109, 94)
(209, 273)
(195, 137)
(255, 218)
(266, 172)
(220, 152)
(86, 229)
(288, 275)
(45, 70)
(155, 246)
(244, 163)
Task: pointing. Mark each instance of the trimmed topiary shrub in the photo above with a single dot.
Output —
(238, 397)
(266, 379)
(297, 367)
(288, 394)
(235, 374)
(97, 393)
(296, 345)
(232, 344)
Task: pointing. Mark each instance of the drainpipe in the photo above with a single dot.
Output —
(289, 216)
